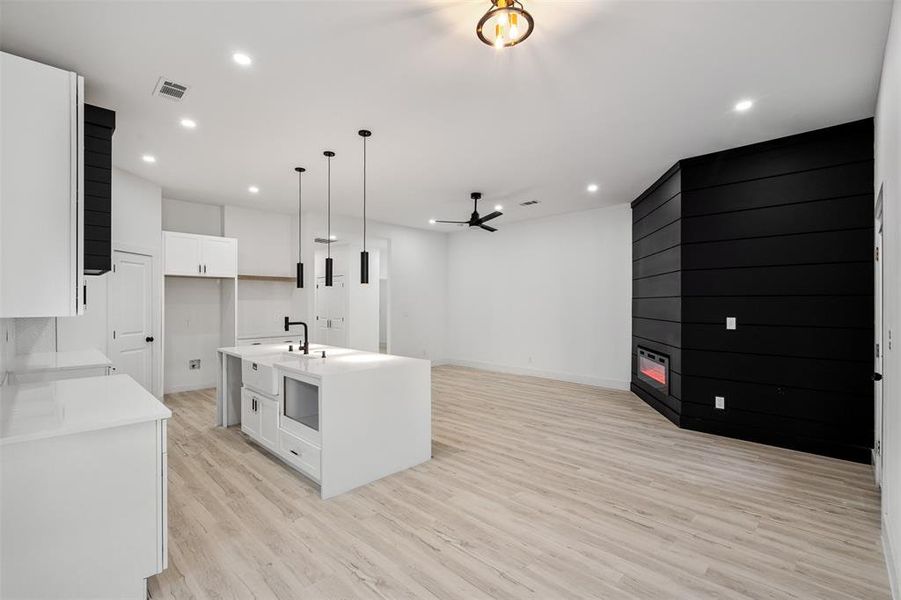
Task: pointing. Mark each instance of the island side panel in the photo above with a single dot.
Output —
(374, 423)
(228, 390)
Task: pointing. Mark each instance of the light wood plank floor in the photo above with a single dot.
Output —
(537, 489)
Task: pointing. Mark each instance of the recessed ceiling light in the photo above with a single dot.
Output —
(148, 158)
(431, 221)
(241, 59)
(188, 123)
(498, 207)
(592, 187)
(253, 189)
(743, 105)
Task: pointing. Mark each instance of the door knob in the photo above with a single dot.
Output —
(877, 376)
(149, 338)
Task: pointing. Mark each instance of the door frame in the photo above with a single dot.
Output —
(156, 281)
(879, 338)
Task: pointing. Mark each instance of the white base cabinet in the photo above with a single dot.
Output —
(259, 417)
(83, 503)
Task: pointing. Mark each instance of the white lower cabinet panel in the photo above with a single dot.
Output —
(250, 414)
(268, 408)
(301, 454)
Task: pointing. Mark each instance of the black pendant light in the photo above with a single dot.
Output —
(300, 171)
(364, 255)
(328, 261)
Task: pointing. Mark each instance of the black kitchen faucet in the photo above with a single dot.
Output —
(306, 333)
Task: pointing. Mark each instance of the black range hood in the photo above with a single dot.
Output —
(99, 125)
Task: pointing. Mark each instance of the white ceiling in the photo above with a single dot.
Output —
(606, 92)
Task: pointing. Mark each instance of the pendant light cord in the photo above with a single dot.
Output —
(299, 216)
(329, 243)
(364, 194)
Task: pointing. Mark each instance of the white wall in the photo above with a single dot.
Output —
(549, 297)
(193, 312)
(888, 175)
(417, 297)
(191, 217)
(264, 240)
(267, 245)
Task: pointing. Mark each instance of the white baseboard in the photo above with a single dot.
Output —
(611, 384)
(894, 576)
(188, 387)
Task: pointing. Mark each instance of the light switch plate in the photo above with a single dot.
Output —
(730, 323)
(720, 402)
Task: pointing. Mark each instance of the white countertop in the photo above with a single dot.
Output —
(337, 360)
(58, 361)
(36, 411)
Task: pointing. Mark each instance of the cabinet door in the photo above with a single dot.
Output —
(338, 313)
(250, 414)
(40, 190)
(268, 422)
(219, 257)
(182, 254)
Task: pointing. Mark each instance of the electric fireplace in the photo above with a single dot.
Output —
(653, 370)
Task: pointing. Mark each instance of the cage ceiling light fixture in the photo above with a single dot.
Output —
(505, 24)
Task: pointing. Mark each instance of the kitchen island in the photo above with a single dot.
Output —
(342, 417)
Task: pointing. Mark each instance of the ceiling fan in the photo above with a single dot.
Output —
(474, 219)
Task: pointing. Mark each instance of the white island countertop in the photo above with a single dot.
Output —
(337, 360)
(58, 361)
(35, 411)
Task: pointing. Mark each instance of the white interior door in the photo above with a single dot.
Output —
(879, 349)
(131, 316)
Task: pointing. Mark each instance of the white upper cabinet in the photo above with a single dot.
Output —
(41, 191)
(193, 255)
(220, 256)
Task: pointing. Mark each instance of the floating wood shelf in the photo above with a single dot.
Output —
(266, 278)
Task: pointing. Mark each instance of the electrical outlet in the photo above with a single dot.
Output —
(720, 402)
(730, 323)
(194, 364)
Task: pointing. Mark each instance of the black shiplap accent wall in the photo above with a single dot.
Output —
(778, 235)
(99, 125)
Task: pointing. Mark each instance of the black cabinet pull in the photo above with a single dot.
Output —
(877, 376)
(204, 269)
(199, 269)
(149, 338)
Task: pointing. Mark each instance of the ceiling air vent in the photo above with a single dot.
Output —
(169, 89)
(529, 203)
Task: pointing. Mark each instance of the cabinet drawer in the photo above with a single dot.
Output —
(299, 453)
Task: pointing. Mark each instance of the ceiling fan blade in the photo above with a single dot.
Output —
(454, 222)
(488, 228)
(488, 217)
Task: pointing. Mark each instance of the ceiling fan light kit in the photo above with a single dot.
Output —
(364, 255)
(300, 171)
(505, 24)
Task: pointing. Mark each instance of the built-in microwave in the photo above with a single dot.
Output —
(300, 405)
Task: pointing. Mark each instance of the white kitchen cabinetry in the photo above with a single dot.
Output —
(41, 190)
(83, 502)
(250, 414)
(259, 417)
(192, 255)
